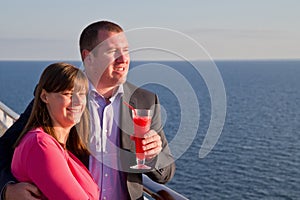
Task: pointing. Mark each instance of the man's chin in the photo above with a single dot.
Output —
(121, 81)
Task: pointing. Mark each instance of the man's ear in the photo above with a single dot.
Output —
(43, 96)
(86, 56)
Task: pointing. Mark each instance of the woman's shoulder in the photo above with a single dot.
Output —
(36, 134)
(39, 138)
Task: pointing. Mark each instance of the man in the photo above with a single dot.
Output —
(104, 51)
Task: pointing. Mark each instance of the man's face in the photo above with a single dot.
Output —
(107, 65)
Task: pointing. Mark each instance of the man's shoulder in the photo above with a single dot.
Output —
(138, 97)
(135, 90)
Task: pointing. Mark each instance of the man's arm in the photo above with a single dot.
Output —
(22, 190)
(164, 162)
(6, 147)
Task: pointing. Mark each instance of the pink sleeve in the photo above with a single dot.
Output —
(48, 169)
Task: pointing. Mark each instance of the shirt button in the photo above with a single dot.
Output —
(104, 198)
(105, 130)
(106, 175)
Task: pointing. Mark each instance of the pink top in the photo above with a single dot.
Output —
(41, 160)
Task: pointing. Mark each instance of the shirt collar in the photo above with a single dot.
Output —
(93, 93)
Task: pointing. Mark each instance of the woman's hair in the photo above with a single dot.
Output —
(59, 77)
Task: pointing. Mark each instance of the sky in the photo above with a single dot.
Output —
(231, 29)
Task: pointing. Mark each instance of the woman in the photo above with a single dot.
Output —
(43, 151)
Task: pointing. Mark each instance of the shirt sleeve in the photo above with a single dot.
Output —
(48, 168)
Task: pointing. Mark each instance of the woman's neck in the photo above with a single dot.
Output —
(62, 134)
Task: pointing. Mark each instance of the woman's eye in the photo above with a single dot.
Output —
(67, 93)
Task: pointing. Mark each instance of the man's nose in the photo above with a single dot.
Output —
(122, 57)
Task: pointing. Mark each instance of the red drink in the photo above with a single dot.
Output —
(141, 126)
(142, 121)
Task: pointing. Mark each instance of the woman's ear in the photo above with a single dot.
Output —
(43, 96)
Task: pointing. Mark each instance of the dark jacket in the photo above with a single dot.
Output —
(163, 166)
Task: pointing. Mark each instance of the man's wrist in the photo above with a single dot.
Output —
(4, 189)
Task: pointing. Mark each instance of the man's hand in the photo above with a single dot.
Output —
(152, 144)
(22, 190)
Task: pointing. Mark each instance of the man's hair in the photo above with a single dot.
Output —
(89, 36)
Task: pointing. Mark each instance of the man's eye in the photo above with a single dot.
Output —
(111, 51)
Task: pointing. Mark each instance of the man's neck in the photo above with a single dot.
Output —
(107, 92)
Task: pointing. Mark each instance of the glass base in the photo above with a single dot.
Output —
(140, 166)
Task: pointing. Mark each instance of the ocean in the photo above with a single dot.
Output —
(257, 155)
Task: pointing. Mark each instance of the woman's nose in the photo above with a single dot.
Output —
(76, 99)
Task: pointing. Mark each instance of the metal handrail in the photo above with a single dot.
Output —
(151, 189)
(159, 191)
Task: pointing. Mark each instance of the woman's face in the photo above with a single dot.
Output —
(65, 108)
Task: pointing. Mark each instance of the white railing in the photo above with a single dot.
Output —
(7, 117)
